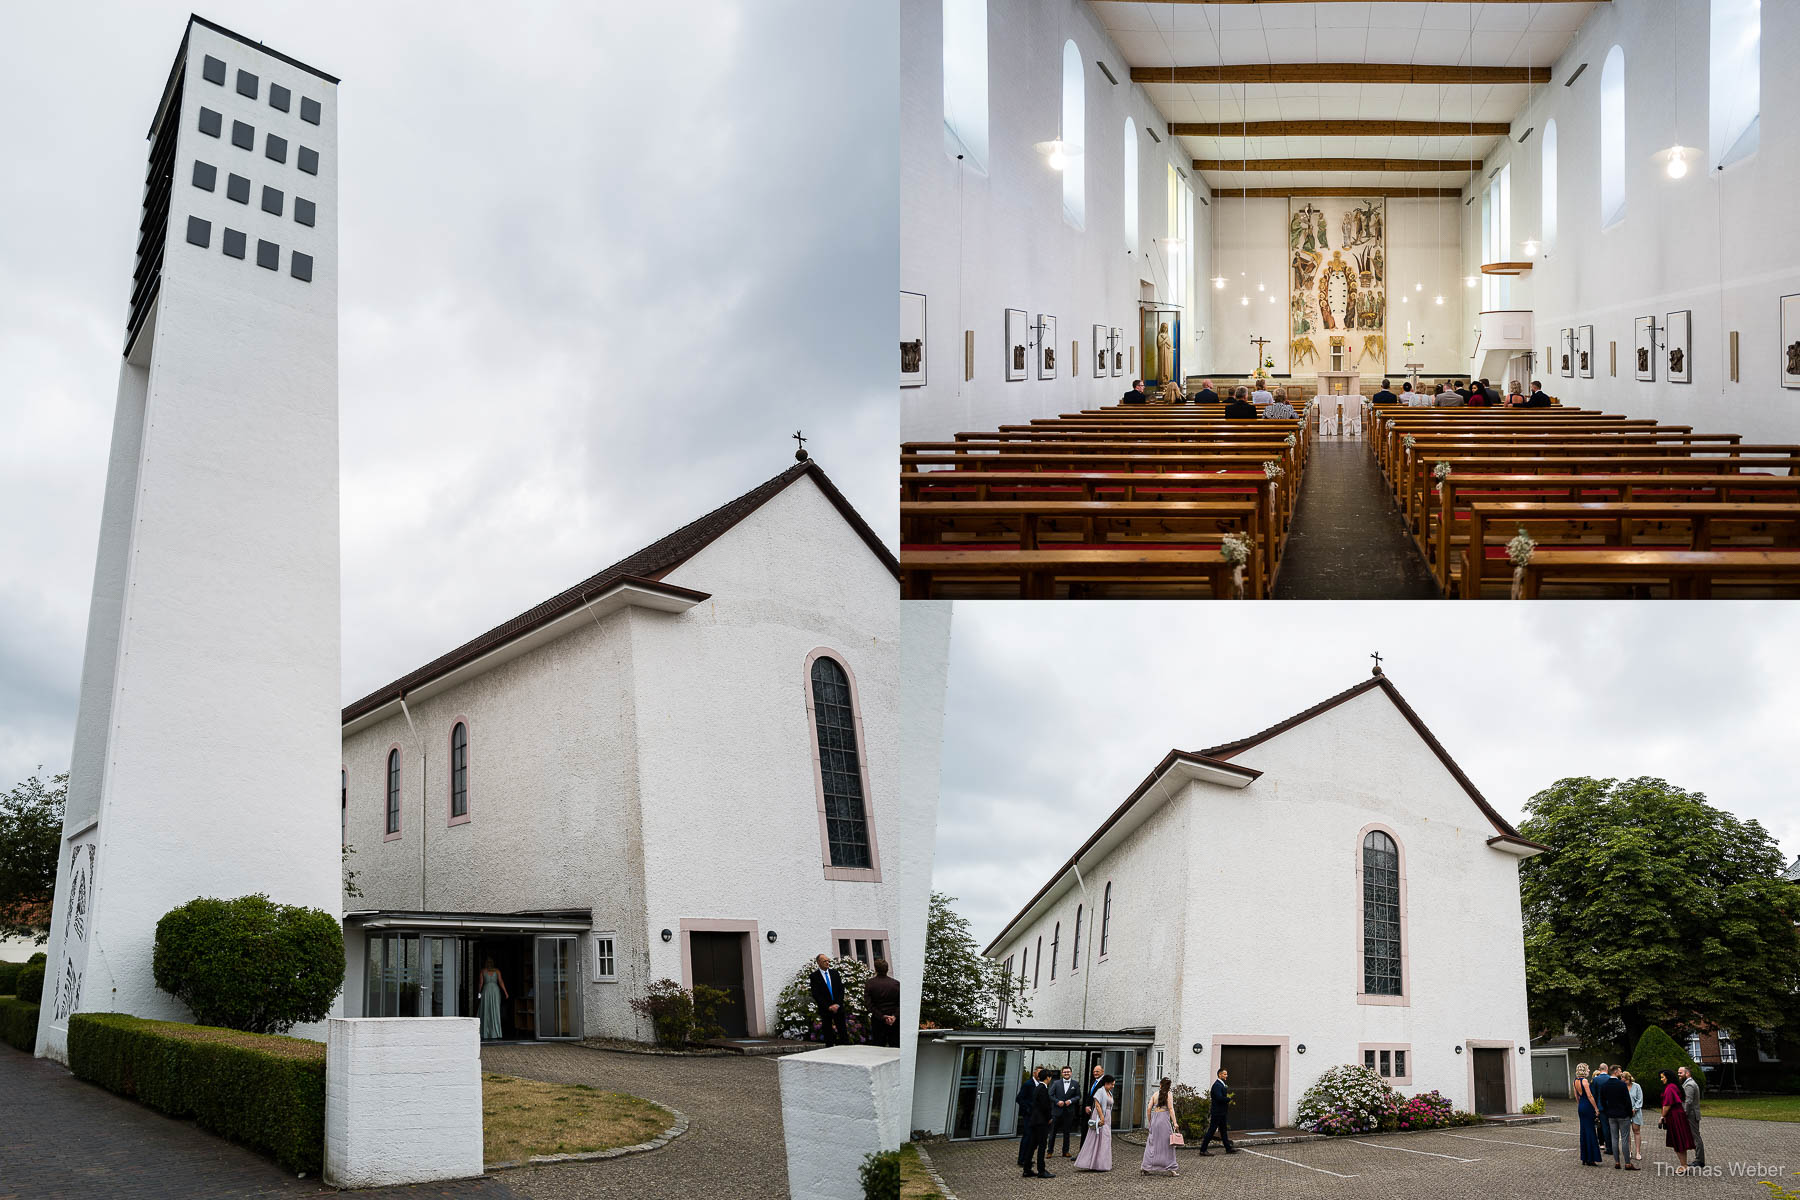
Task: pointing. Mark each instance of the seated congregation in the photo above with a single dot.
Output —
(1504, 494)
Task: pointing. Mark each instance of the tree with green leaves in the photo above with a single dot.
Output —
(31, 820)
(1654, 908)
(962, 988)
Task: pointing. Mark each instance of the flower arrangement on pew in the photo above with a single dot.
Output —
(1440, 473)
(1273, 469)
(1235, 547)
(1518, 553)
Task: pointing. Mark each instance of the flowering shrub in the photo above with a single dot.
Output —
(1347, 1099)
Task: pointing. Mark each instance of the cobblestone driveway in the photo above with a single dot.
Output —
(731, 1151)
(1494, 1163)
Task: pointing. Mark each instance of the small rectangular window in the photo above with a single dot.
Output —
(878, 948)
(278, 97)
(268, 255)
(1400, 1064)
(1369, 1059)
(275, 148)
(272, 199)
(243, 136)
(210, 122)
(843, 947)
(1387, 1063)
(606, 966)
(309, 160)
(213, 69)
(309, 111)
(304, 210)
(234, 245)
(206, 176)
(247, 84)
(237, 188)
(302, 267)
(199, 232)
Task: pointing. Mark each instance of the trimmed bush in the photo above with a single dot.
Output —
(1657, 1051)
(249, 963)
(9, 977)
(18, 1024)
(39, 957)
(1193, 1110)
(30, 986)
(881, 1176)
(679, 1015)
(263, 1091)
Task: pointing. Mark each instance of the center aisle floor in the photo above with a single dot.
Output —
(1347, 541)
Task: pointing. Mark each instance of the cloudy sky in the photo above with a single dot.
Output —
(1056, 711)
(598, 262)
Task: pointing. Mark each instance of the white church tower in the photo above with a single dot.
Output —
(206, 744)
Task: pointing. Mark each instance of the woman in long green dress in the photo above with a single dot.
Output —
(492, 989)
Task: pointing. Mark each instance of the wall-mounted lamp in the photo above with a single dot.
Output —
(668, 936)
(771, 937)
(1198, 1046)
(1459, 1049)
(1300, 1049)
(1521, 1049)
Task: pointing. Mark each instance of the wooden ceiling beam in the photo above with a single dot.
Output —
(1337, 164)
(1340, 73)
(1231, 129)
(1278, 192)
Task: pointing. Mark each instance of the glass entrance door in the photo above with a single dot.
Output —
(555, 987)
(440, 959)
(986, 1082)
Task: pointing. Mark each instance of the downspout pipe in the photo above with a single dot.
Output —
(423, 822)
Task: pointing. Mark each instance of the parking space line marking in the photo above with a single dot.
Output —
(1503, 1142)
(1290, 1162)
(1404, 1150)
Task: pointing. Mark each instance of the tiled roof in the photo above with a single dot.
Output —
(645, 566)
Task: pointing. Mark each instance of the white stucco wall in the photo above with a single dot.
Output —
(402, 1100)
(210, 690)
(1235, 914)
(838, 1106)
(1715, 242)
(934, 1086)
(977, 244)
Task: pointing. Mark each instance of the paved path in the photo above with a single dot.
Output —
(731, 1151)
(60, 1137)
(1348, 541)
(1526, 1162)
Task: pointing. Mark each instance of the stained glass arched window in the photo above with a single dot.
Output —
(1381, 915)
(459, 771)
(840, 766)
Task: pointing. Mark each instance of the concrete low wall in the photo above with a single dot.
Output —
(838, 1106)
(402, 1100)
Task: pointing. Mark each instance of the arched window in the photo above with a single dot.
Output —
(459, 772)
(1055, 949)
(393, 793)
(1381, 914)
(1106, 919)
(1612, 138)
(1024, 965)
(966, 82)
(1736, 75)
(1040, 961)
(1075, 950)
(344, 801)
(1549, 152)
(1074, 136)
(849, 843)
(1131, 186)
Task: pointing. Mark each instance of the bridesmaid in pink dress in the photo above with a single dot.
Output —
(1096, 1148)
(1159, 1150)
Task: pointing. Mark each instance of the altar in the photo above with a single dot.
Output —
(1339, 401)
(1340, 383)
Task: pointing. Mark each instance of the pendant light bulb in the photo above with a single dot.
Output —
(1058, 160)
(1678, 166)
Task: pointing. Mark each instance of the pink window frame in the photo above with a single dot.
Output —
(450, 774)
(1474, 1044)
(1220, 1041)
(399, 793)
(1378, 1047)
(871, 873)
(1404, 999)
(867, 935)
(753, 988)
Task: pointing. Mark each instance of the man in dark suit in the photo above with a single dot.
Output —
(1386, 394)
(1240, 408)
(1037, 1113)
(828, 994)
(1065, 1106)
(1024, 1102)
(1615, 1107)
(1136, 395)
(1492, 392)
(1221, 1115)
(881, 996)
(1206, 394)
(1539, 397)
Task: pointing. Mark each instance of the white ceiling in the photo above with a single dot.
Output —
(1381, 31)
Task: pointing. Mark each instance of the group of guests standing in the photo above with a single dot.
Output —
(1050, 1104)
(1610, 1110)
(881, 1000)
(1473, 393)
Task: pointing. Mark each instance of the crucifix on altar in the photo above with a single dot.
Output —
(1259, 343)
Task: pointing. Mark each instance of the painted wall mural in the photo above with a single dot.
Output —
(1337, 282)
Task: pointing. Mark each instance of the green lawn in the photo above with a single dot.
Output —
(915, 1184)
(1754, 1108)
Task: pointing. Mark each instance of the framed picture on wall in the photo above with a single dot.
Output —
(1118, 350)
(1018, 337)
(1584, 351)
(1680, 326)
(912, 339)
(1790, 341)
(1567, 364)
(1643, 360)
(1102, 355)
(1046, 332)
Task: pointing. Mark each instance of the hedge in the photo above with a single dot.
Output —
(9, 977)
(30, 985)
(265, 1091)
(18, 1024)
(1657, 1051)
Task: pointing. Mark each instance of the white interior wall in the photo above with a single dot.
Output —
(977, 244)
(1250, 239)
(1717, 242)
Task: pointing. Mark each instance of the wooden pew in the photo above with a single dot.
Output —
(1034, 574)
(1619, 525)
(1685, 574)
